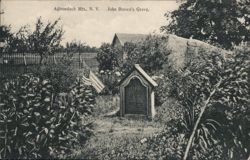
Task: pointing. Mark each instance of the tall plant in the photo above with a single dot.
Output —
(213, 82)
(36, 122)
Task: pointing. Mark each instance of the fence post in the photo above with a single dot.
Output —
(24, 59)
(25, 64)
(79, 60)
(54, 59)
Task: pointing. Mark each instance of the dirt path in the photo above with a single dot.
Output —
(117, 126)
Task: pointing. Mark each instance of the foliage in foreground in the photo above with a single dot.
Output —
(214, 93)
(217, 92)
(35, 122)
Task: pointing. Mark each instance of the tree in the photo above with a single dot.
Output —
(5, 35)
(19, 42)
(151, 53)
(75, 47)
(46, 38)
(224, 23)
(78, 46)
(108, 57)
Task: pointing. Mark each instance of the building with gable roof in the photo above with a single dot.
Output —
(137, 94)
(121, 38)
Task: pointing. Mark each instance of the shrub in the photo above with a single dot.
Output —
(61, 74)
(36, 122)
(221, 85)
(111, 80)
(169, 110)
(169, 144)
(151, 54)
(166, 87)
(213, 92)
(108, 57)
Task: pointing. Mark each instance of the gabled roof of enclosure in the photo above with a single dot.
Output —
(138, 68)
(126, 37)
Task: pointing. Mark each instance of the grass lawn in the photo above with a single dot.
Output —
(117, 137)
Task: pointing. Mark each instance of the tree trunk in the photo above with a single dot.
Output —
(190, 141)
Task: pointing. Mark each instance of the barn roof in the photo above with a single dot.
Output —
(143, 73)
(125, 37)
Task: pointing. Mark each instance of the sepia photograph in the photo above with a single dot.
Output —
(125, 79)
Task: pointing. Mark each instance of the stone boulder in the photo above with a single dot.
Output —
(183, 50)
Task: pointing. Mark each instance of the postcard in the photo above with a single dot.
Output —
(124, 79)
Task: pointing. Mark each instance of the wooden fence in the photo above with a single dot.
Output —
(15, 64)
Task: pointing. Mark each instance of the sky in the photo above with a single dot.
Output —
(95, 26)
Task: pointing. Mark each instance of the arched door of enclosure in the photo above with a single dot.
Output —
(135, 97)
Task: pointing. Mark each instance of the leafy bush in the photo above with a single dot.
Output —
(169, 144)
(222, 132)
(162, 91)
(61, 74)
(111, 80)
(108, 57)
(36, 122)
(166, 85)
(213, 93)
(151, 54)
(169, 110)
(218, 85)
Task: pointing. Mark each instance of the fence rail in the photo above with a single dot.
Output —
(15, 64)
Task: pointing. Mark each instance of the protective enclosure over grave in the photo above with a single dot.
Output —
(137, 93)
(135, 97)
